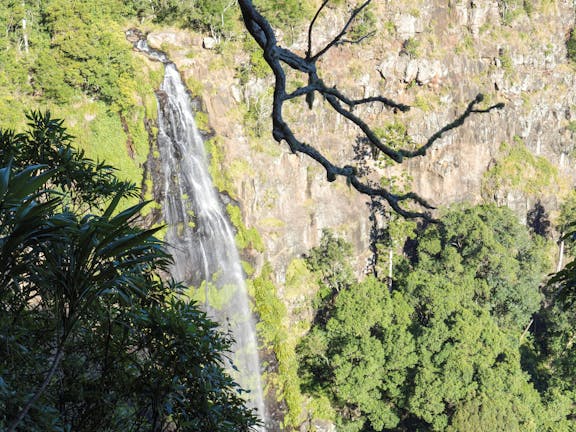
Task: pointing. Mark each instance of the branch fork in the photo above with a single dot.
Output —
(279, 59)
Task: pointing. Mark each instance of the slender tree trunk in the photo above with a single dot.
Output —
(560, 256)
(526, 329)
(390, 268)
(24, 30)
(34, 398)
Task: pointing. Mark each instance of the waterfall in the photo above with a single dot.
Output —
(199, 232)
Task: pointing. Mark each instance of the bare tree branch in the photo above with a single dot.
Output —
(279, 58)
(311, 27)
(455, 124)
(353, 103)
(340, 35)
(357, 41)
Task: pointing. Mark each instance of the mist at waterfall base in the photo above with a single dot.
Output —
(199, 233)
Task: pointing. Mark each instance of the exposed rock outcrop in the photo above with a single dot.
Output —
(458, 49)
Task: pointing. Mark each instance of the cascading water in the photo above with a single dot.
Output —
(199, 232)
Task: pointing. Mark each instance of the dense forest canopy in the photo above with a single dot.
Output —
(442, 349)
(455, 328)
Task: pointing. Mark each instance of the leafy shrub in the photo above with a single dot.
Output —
(411, 47)
(571, 47)
(92, 337)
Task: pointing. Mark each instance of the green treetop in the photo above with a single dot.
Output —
(441, 350)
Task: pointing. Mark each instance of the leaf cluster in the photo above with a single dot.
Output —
(85, 183)
(571, 46)
(273, 329)
(71, 48)
(519, 169)
(91, 337)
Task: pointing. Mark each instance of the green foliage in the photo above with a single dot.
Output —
(439, 351)
(395, 135)
(411, 47)
(109, 128)
(87, 52)
(387, 237)
(511, 9)
(425, 103)
(487, 252)
(257, 114)
(256, 66)
(92, 338)
(273, 328)
(571, 126)
(79, 65)
(15, 59)
(330, 262)
(552, 358)
(218, 297)
(219, 17)
(571, 47)
(220, 179)
(246, 238)
(299, 279)
(565, 279)
(202, 122)
(286, 13)
(567, 216)
(364, 25)
(528, 6)
(85, 182)
(368, 350)
(518, 169)
(506, 62)
(466, 44)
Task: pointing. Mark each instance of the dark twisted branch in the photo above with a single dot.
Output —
(278, 58)
(471, 109)
(321, 88)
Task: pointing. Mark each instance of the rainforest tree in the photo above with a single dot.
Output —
(91, 337)
(441, 349)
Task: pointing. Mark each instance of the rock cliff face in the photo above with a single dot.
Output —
(435, 56)
(284, 196)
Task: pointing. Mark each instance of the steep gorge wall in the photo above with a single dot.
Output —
(520, 60)
(283, 195)
(435, 56)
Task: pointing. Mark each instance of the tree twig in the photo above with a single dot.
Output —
(340, 35)
(311, 27)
